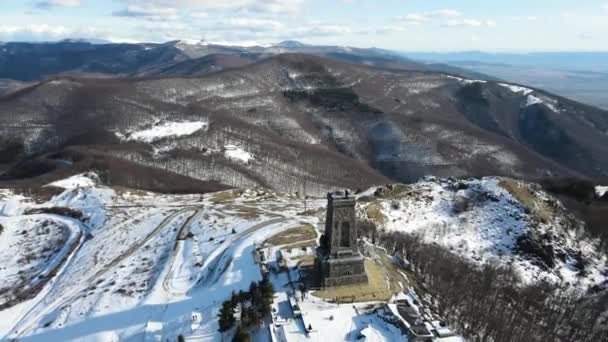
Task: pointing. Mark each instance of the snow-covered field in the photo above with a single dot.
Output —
(138, 273)
(143, 266)
(482, 221)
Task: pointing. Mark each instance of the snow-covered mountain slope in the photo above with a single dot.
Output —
(132, 265)
(145, 258)
(496, 220)
(308, 122)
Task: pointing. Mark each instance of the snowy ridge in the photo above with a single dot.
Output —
(482, 221)
(532, 100)
(517, 89)
(465, 80)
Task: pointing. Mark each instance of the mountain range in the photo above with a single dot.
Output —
(291, 117)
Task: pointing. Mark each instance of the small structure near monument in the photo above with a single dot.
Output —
(341, 263)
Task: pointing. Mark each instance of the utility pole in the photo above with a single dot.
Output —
(305, 195)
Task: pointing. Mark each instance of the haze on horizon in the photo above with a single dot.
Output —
(412, 25)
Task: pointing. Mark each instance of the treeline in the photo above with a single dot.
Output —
(579, 197)
(278, 164)
(254, 305)
(489, 303)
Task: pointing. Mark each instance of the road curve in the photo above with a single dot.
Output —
(30, 319)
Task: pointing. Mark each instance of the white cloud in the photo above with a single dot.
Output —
(253, 24)
(33, 32)
(418, 18)
(49, 4)
(523, 18)
(150, 12)
(255, 6)
(327, 30)
(469, 23)
(199, 15)
(605, 7)
(445, 13)
(413, 18)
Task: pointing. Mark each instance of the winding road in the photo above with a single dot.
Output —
(40, 309)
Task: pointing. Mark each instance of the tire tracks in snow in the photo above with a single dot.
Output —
(179, 241)
(30, 322)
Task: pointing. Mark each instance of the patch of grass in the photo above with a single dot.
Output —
(225, 196)
(303, 233)
(375, 214)
(525, 196)
(380, 286)
(397, 280)
(302, 244)
(245, 212)
(306, 260)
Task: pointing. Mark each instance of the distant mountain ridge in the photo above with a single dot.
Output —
(38, 61)
(582, 76)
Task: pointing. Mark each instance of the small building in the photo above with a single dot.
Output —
(295, 308)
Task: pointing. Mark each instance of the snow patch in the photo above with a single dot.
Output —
(465, 80)
(164, 130)
(601, 190)
(82, 180)
(516, 89)
(533, 100)
(236, 153)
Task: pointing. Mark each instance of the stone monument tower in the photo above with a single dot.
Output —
(342, 264)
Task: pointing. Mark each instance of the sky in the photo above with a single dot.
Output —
(404, 25)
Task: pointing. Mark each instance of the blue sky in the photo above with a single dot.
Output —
(406, 25)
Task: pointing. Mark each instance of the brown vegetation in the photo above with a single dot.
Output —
(489, 303)
(293, 235)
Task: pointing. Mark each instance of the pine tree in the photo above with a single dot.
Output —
(226, 316)
(241, 335)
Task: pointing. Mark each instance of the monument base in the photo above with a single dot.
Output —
(347, 270)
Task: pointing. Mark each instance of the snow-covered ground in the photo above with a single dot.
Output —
(236, 153)
(164, 130)
(482, 221)
(329, 321)
(138, 274)
(145, 266)
(601, 190)
(77, 181)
